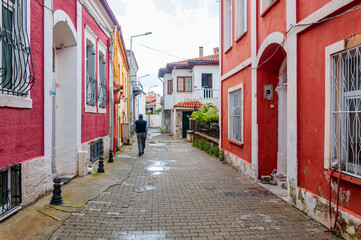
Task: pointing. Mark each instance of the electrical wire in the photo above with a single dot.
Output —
(43, 5)
(156, 50)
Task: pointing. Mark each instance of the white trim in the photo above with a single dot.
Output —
(228, 26)
(15, 101)
(231, 90)
(238, 19)
(103, 51)
(220, 73)
(79, 72)
(237, 69)
(275, 37)
(329, 50)
(61, 16)
(89, 36)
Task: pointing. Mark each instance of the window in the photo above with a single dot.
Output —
(235, 111)
(228, 24)
(17, 70)
(346, 110)
(184, 84)
(170, 86)
(241, 17)
(207, 85)
(102, 94)
(91, 82)
(10, 188)
(265, 4)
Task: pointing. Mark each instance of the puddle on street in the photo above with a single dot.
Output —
(157, 167)
(125, 156)
(137, 235)
(145, 188)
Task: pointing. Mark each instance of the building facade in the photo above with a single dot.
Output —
(187, 85)
(54, 94)
(290, 83)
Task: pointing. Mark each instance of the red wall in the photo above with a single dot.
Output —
(22, 130)
(312, 6)
(241, 49)
(311, 104)
(272, 21)
(69, 6)
(244, 151)
(93, 124)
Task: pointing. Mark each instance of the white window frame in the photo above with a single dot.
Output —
(241, 5)
(236, 88)
(265, 4)
(89, 38)
(101, 51)
(228, 26)
(329, 52)
(13, 101)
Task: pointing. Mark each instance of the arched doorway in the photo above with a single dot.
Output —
(272, 111)
(65, 99)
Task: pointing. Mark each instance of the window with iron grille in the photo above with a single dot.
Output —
(170, 86)
(96, 150)
(102, 94)
(184, 84)
(235, 111)
(10, 188)
(346, 111)
(91, 82)
(17, 70)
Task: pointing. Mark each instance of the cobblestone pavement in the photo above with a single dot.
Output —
(176, 191)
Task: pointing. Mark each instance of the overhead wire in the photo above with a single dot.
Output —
(156, 50)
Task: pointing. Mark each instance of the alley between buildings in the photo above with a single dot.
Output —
(176, 191)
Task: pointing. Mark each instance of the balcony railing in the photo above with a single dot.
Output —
(137, 88)
(207, 93)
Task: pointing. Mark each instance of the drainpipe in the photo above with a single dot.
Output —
(111, 107)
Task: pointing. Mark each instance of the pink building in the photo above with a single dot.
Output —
(54, 94)
(291, 101)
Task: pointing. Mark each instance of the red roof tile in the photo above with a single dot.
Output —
(188, 104)
(150, 98)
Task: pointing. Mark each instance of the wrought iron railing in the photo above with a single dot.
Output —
(16, 69)
(91, 82)
(96, 150)
(207, 93)
(211, 129)
(102, 94)
(10, 188)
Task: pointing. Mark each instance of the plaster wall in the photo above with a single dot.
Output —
(168, 98)
(154, 121)
(181, 96)
(312, 6)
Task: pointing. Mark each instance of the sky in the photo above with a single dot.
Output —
(179, 28)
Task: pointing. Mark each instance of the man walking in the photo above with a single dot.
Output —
(141, 128)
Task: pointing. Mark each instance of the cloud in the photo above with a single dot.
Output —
(179, 27)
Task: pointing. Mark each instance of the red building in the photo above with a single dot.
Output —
(291, 100)
(54, 94)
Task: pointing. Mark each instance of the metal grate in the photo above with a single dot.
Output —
(16, 67)
(96, 150)
(235, 116)
(91, 82)
(10, 188)
(102, 94)
(346, 111)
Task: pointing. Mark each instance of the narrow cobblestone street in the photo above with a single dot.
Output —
(176, 191)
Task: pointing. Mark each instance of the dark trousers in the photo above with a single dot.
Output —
(141, 141)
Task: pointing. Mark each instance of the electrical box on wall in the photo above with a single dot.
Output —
(268, 92)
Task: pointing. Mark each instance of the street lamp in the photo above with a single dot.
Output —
(151, 87)
(130, 81)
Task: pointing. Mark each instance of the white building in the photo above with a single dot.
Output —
(140, 104)
(188, 85)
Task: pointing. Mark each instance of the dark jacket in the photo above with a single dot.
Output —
(141, 126)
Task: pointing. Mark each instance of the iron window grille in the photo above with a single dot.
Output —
(91, 82)
(102, 94)
(346, 111)
(236, 116)
(96, 150)
(16, 69)
(10, 188)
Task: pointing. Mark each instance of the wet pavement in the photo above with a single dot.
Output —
(176, 191)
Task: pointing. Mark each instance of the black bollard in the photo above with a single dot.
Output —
(57, 199)
(101, 165)
(110, 160)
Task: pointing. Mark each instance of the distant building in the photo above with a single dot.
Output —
(152, 102)
(188, 85)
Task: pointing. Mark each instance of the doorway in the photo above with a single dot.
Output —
(185, 122)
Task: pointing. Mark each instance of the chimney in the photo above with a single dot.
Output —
(216, 50)
(200, 51)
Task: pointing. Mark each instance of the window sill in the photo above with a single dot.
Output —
(240, 37)
(236, 143)
(102, 110)
(15, 101)
(268, 8)
(9, 213)
(345, 177)
(90, 109)
(228, 49)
